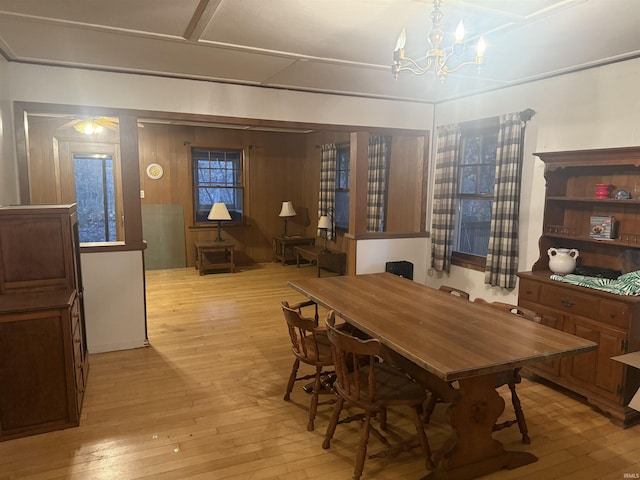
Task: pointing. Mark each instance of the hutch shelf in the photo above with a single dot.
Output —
(613, 321)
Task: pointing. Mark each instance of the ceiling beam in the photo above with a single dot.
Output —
(202, 16)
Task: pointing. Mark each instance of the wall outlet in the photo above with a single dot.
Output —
(430, 272)
(141, 193)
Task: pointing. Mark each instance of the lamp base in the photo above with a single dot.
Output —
(219, 237)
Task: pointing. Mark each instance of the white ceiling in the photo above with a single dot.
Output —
(337, 46)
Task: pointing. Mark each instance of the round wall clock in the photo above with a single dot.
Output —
(154, 171)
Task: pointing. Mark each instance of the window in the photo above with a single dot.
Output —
(475, 194)
(343, 177)
(95, 196)
(217, 177)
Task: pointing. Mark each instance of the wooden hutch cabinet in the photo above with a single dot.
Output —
(612, 321)
(43, 355)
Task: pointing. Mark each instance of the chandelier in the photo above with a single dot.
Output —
(437, 59)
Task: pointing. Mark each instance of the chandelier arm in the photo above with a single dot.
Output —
(411, 65)
(448, 70)
(409, 68)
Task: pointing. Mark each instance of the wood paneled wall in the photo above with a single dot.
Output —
(274, 166)
(406, 196)
(278, 167)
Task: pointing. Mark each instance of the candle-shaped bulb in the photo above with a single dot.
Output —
(402, 39)
(460, 32)
(481, 47)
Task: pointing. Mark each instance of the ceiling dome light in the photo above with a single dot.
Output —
(88, 127)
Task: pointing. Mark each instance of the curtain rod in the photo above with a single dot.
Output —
(525, 116)
(344, 144)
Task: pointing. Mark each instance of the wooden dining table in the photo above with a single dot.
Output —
(455, 348)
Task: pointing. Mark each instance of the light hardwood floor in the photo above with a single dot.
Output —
(204, 401)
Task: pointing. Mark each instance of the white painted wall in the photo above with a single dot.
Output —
(34, 83)
(114, 300)
(372, 255)
(8, 170)
(595, 108)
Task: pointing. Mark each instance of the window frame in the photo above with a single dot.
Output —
(483, 128)
(195, 188)
(342, 149)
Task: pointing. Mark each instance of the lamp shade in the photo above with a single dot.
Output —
(287, 210)
(324, 222)
(219, 212)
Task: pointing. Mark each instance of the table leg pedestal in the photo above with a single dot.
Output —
(473, 452)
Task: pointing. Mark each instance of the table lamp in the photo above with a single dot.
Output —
(219, 212)
(325, 224)
(287, 211)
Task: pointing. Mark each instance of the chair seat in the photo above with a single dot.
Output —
(317, 352)
(393, 387)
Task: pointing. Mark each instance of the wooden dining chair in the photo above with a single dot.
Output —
(365, 382)
(510, 377)
(311, 346)
(454, 291)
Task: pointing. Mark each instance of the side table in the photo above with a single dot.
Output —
(283, 247)
(334, 261)
(212, 255)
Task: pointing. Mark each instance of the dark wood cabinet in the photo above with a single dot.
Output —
(43, 354)
(612, 321)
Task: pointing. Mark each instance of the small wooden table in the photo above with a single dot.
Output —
(212, 255)
(283, 247)
(441, 339)
(334, 261)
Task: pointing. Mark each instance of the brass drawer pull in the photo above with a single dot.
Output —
(567, 303)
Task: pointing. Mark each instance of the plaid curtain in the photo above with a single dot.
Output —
(327, 195)
(502, 254)
(379, 153)
(444, 196)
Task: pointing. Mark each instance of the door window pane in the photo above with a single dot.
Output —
(95, 196)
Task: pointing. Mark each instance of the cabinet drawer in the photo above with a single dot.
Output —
(528, 290)
(614, 313)
(570, 302)
(75, 316)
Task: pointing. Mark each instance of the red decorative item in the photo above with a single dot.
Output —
(602, 190)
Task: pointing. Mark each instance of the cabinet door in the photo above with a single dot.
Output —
(595, 370)
(34, 368)
(36, 253)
